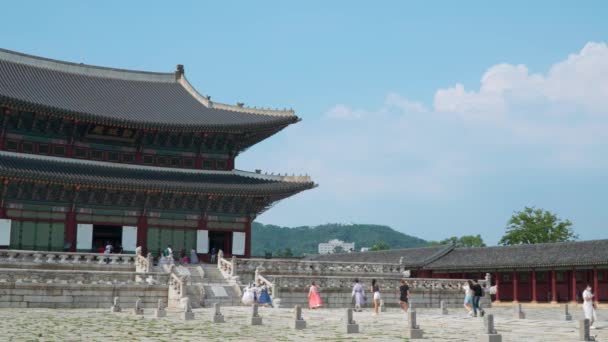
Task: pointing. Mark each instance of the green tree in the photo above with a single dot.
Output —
(380, 246)
(464, 241)
(284, 252)
(338, 249)
(532, 225)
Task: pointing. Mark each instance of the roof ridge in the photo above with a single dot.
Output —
(86, 69)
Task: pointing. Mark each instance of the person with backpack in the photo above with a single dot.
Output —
(477, 294)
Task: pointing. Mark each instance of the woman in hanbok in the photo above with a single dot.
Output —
(264, 298)
(314, 300)
(193, 256)
(248, 295)
(589, 306)
(359, 294)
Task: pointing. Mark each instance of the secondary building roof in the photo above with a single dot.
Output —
(409, 257)
(123, 97)
(137, 177)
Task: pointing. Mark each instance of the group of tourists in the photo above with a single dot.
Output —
(256, 294)
(472, 296)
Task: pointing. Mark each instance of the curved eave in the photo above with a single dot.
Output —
(277, 123)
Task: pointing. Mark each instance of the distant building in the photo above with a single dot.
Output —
(330, 246)
(364, 249)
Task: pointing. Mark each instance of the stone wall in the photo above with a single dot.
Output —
(32, 295)
(336, 292)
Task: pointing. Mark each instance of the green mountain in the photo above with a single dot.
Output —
(305, 240)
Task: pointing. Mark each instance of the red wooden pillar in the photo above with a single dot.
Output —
(573, 289)
(553, 287)
(70, 230)
(533, 286)
(497, 283)
(515, 289)
(248, 239)
(596, 288)
(142, 233)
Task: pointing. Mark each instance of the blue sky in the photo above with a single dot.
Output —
(436, 118)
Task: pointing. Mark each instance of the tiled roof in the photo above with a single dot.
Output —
(571, 254)
(137, 177)
(412, 257)
(124, 97)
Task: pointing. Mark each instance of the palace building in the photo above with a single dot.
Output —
(92, 154)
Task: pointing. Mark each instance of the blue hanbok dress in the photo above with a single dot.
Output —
(264, 297)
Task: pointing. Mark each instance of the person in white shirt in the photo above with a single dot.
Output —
(589, 306)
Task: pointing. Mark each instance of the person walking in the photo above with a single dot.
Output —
(264, 298)
(468, 297)
(375, 288)
(314, 300)
(193, 256)
(589, 306)
(404, 294)
(477, 294)
(359, 294)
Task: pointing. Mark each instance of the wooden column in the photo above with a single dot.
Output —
(553, 287)
(70, 230)
(497, 283)
(533, 286)
(573, 285)
(142, 233)
(515, 289)
(248, 239)
(596, 288)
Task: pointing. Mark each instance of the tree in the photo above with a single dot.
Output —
(338, 249)
(464, 241)
(532, 225)
(285, 252)
(380, 246)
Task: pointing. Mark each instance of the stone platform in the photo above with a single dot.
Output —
(541, 324)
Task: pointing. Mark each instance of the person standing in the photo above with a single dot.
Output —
(264, 299)
(359, 294)
(213, 255)
(589, 306)
(248, 295)
(477, 294)
(375, 288)
(314, 300)
(193, 256)
(468, 297)
(404, 294)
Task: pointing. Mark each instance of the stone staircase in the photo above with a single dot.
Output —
(217, 289)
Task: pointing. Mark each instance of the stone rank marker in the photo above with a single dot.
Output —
(583, 330)
(256, 319)
(116, 306)
(413, 331)
(217, 315)
(444, 307)
(187, 315)
(299, 323)
(518, 313)
(160, 309)
(351, 326)
(489, 333)
(567, 315)
(138, 310)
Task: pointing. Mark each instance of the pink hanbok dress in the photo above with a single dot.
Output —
(314, 300)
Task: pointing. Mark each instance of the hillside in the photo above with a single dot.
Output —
(305, 240)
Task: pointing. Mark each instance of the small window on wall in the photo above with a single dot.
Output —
(27, 147)
(523, 277)
(113, 156)
(221, 164)
(128, 158)
(148, 159)
(97, 155)
(43, 148)
(559, 276)
(80, 153)
(541, 276)
(12, 145)
(506, 277)
(578, 276)
(59, 150)
(175, 162)
(600, 275)
(207, 164)
(162, 161)
(189, 163)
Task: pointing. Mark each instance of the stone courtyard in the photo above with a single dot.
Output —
(541, 324)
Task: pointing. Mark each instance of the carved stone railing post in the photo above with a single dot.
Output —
(233, 268)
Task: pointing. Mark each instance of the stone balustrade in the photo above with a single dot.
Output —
(35, 276)
(284, 266)
(177, 287)
(8, 256)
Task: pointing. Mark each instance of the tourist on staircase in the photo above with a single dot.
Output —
(314, 300)
(193, 256)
